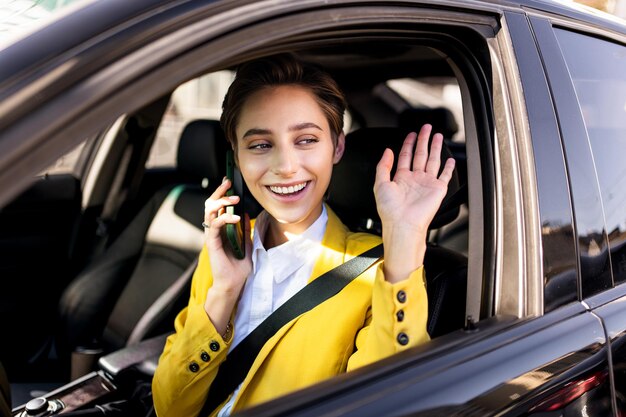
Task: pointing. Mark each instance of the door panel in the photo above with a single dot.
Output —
(509, 372)
(36, 236)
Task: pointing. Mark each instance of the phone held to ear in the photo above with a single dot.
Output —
(234, 232)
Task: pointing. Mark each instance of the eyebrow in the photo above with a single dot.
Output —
(256, 131)
(304, 125)
(292, 128)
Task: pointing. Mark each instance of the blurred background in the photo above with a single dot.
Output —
(616, 7)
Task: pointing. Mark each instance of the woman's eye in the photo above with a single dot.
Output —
(259, 146)
(306, 141)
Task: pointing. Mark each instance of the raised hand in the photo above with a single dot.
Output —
(229, 273)
(408, 203)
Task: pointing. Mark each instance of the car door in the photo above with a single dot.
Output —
(514, 357)
(591, 68)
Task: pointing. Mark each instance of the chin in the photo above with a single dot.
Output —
(292, 218)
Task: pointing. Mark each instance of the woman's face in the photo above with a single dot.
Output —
(286, 154)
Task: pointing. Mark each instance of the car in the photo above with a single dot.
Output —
(109, 142)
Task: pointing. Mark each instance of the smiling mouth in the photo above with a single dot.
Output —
(291, 190)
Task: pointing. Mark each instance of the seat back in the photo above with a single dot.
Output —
(104, 304)
(441, 119)
(351, 196)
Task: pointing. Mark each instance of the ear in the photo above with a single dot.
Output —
(339, 148)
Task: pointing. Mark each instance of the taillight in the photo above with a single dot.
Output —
(570, 392)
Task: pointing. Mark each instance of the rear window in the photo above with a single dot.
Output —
(598, 71)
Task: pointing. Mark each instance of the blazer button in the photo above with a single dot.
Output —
(400, 315)
(205, 356)
(401, 296)
(194, 367)
(403, 339)
(214, 346)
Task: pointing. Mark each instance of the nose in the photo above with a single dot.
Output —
(285, 161)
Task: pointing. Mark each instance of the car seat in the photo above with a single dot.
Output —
(102, 306)
(351, 196)
(441, 119)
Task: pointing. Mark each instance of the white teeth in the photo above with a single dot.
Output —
(287, 190)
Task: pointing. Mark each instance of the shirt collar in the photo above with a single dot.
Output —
(293, 254)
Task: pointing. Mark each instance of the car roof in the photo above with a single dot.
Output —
(96, 19)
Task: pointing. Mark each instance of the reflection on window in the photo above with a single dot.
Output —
(598, 69)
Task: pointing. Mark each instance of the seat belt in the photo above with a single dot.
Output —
(235, 367)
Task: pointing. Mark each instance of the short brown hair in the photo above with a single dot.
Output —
(280, 70)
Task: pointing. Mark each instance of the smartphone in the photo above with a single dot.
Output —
(234, 232)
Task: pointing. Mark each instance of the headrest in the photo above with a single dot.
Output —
(441, 119)
(351, 193)
(202, 150)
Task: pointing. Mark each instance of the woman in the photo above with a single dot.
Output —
(284, 121)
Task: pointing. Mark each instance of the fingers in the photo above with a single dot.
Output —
(406, 152)
(216, 217)
(421, 150)
(213, 233)
(424, 160)
(222, 220)
(214, 208)
(383, 168)
(434, 158)
(448, 169)
(215, 205)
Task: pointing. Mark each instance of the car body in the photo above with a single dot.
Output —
(542, 88)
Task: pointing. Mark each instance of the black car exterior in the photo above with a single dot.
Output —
(544, 99)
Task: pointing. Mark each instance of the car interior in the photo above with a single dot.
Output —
(117, 263)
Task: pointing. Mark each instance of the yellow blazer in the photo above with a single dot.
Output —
(356, 327)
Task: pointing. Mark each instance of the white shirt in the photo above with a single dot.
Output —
(277, 275)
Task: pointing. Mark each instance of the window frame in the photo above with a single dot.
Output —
(486, 259)
(542, 123)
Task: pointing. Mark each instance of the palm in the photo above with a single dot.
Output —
(412, 198)
(416, 191)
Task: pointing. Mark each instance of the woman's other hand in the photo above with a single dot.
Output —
(229, 273)
(408, 203)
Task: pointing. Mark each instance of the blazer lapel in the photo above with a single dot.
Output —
(333, 246)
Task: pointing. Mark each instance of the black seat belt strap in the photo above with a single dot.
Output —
(235, 367)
